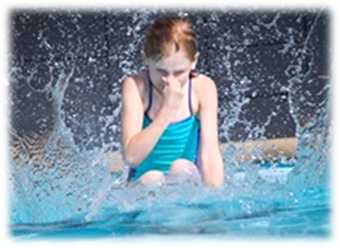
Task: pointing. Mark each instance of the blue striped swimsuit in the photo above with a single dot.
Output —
(179, 140)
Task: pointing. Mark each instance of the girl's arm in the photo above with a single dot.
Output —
(209, 155)
(138, 142)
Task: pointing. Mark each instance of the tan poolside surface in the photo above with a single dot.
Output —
(270, 148)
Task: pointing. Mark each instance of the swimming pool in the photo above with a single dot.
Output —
(258, 204)
(276, 65)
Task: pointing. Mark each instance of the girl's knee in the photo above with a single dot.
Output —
(152, 177)
(180, 166)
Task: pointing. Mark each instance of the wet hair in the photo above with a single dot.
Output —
(166, 32)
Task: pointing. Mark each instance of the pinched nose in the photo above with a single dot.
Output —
(167, 79)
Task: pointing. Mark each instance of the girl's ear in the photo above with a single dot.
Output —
(195, 61)
(197, 55)
(194, 72)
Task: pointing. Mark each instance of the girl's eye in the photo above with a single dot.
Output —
(177, 73)
(162, 72)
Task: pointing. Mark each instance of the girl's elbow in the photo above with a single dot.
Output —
(213, 171)
(219, 182)
(130, 158)
(214, 178)
(216, 182)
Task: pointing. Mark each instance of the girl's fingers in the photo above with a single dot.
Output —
(165, 81)
(172, 83)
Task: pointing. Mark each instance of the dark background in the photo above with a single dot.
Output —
(252, 56)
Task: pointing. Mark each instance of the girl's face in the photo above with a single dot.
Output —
(176, 66)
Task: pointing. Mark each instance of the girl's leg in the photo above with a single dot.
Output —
(183, 166)
(152, 177)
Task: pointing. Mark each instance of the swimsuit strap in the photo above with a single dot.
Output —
(150, 93)
(189, 93)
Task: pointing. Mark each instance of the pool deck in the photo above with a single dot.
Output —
(245, 151)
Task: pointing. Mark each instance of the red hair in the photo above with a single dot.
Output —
(166, 32)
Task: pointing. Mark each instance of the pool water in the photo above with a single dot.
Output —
(261, 206)
(70, 103)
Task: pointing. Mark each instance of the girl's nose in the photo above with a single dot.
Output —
(167, 78)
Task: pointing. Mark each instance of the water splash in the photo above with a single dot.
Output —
(69, 179)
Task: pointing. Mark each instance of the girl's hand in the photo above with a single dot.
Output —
(173, 95)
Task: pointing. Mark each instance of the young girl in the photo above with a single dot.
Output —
(169, 115)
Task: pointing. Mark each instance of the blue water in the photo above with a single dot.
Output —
(68, 191)
(239, 209)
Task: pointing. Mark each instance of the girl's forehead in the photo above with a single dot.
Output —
(175, 61)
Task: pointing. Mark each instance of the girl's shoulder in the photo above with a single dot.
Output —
(202, 83)
(139, 80)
